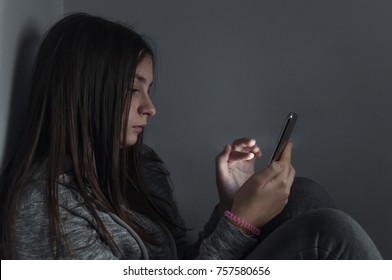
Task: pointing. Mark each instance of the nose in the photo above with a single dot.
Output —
(148, 107)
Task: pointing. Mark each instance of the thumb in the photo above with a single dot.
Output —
(270, 172)
(224, 155)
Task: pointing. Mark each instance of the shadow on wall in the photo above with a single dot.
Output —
(20, 88)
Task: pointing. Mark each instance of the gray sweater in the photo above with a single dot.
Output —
(219, 239)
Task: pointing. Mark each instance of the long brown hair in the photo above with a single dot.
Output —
(82, 73)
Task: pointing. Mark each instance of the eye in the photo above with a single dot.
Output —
(133, 90)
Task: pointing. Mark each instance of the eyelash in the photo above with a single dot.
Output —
(133, 90)
(136, 91)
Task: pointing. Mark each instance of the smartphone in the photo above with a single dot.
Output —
(284, 136)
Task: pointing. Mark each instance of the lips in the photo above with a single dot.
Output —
(138, 128)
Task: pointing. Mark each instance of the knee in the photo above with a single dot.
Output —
(310, 194)
(333, 229)
(331, 221)
(318, 234)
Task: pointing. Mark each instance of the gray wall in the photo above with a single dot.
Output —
(22, 23)
(236, 68)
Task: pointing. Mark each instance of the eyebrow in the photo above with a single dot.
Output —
(142, 79)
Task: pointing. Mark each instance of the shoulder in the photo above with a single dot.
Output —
(156, 175)
(35, 191)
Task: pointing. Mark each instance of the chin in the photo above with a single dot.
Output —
(131, 142)
(128, 143)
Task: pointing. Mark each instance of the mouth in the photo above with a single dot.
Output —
(138, 128)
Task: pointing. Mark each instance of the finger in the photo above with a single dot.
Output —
(288, 176)
(238, 156)
(223, 156)
(286, 155)
(285, 179)
(291, 175)
(270, 172)
(289, 180)
(286, 161)
(254, 150)
(241, 143)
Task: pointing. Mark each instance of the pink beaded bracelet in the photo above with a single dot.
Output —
(241, 223)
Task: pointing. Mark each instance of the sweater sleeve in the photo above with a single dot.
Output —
(225, 242)
(84, 240)
(219, 239)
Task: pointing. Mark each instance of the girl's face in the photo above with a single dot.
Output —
(141, 106)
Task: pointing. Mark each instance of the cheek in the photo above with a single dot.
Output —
(132, 113)
(129, 109)
(125, 121)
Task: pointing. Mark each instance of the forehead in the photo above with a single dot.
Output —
(144, 71)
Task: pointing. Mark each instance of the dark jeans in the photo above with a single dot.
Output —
(310, 227)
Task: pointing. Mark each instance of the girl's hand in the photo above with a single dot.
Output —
(234, 166)
(265, 194)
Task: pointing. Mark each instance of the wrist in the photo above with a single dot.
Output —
(223, 206)
(241, 224)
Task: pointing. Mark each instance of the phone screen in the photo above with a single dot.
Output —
(284, 136)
